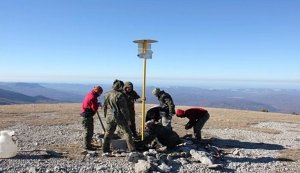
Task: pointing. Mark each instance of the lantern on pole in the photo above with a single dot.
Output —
(144, 52)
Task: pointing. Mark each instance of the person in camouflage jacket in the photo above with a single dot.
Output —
(115, 100)
(167, 107)
(132, 97)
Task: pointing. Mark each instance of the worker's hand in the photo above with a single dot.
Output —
(139, 100)
(188, 126)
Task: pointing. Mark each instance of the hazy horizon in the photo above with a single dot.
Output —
(206, 84)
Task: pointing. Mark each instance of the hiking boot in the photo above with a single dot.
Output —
(107, 151)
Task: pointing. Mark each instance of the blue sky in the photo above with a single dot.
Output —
(253, 42)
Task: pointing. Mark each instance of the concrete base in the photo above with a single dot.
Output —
(116, 143)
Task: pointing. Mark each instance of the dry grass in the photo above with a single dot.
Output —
(56, 114)
(39, 114)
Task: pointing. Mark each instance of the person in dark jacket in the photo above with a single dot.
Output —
(132, 97)
(153, 114)
(164, 135)
(89, 108)
(197, 118)
(167, 107)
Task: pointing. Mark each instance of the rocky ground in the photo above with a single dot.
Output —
(49, 140)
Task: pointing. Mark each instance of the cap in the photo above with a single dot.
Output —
(180, 113)
(155, 91)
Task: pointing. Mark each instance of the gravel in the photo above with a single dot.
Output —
(243, 151)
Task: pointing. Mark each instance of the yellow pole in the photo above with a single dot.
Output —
(143, 99)
(144, 90)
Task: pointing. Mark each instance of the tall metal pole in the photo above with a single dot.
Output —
(145, 53)
(144, 89)
(144, 99)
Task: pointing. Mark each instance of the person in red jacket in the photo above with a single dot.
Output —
(89, 108)
(197, 118)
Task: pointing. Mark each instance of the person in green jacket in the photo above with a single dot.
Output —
(115, 100)
(132, 97)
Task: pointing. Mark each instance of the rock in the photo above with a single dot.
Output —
(162, 149)
(49, 171)
(91, 154)
(152, 151)
(135, 156)
(182, 161)
(215, 166)
(56, 168)
(170, 157)
(151, 159)
(201, 156)
(164, 168)
(236, 152)
(142, 166)
(101, 168)
(32, 170)
(123, 154)
(146, 153)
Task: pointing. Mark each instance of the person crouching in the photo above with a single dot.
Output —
(197, 118)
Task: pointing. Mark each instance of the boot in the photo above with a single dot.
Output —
(90, 148)
(198, 136)
(106, 145)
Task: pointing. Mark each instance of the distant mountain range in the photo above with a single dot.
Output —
(283, 100)
(10, 97)
(35, 89)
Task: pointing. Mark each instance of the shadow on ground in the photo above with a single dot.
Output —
(230, 143)
(36, 155)
(254, 160)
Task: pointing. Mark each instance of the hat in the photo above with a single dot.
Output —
(155, 91)
(128, 84)
(118, 85)
(180, 113)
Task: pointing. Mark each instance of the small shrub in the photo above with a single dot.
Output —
(265, 110)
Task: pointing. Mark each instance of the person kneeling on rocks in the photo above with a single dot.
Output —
(164, 135)
(197, 118)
